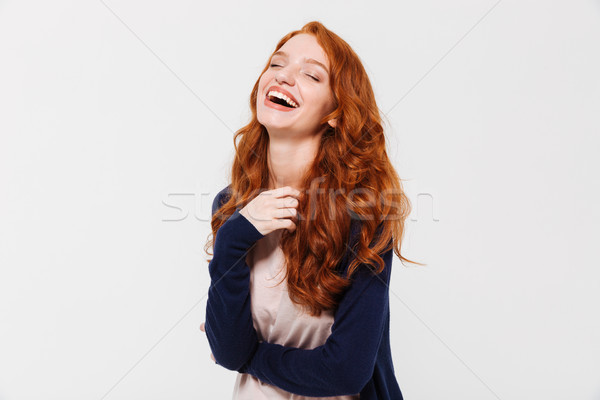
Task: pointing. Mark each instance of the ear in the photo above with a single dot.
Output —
(332, 122)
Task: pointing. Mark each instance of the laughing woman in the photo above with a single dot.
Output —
(305, 233)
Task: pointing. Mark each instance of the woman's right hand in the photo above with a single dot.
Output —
(273, 209)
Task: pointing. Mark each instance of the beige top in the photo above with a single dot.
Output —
(277, 319)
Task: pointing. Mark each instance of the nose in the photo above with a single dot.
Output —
(284, 74)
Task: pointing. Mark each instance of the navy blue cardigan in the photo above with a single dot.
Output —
(356, 358)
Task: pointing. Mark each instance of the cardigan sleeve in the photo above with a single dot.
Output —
(345, 363)
(228, 323)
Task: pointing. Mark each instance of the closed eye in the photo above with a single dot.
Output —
(315, 79)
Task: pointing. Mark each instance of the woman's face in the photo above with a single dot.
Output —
(299, 70)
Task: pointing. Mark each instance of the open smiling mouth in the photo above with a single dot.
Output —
(281, 100)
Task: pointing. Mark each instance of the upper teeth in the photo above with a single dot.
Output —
(284, 97)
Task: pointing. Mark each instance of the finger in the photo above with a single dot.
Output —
(213, 357)
(286, 213)
(202, 327)
(285, 191)
(287, 201)
(285, 223)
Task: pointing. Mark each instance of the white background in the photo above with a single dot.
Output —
(116, 127)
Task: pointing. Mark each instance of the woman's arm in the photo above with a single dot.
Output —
(228, 325)
(345, 363)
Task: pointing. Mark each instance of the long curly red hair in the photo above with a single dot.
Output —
(351, 168)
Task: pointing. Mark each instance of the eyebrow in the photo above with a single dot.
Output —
(308, 60)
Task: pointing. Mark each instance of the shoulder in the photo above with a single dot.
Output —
(353, 243)
(221, 197)
(355, 230)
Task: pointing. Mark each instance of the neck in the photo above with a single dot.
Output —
(289, 159)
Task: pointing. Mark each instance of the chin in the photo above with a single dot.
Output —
(272, 121)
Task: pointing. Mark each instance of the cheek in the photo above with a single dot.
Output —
(267, 76)
(261, 82)
(322, 101)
